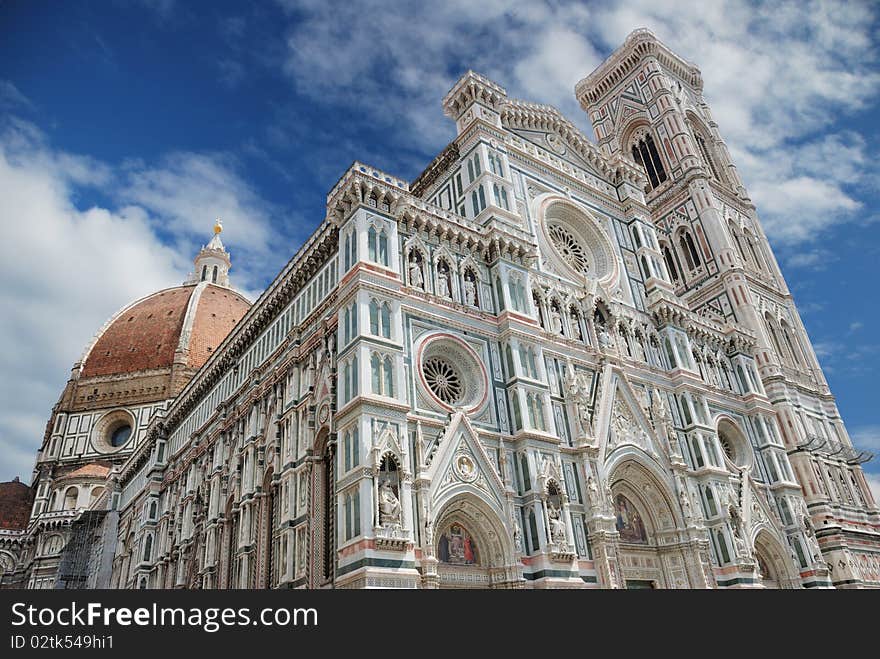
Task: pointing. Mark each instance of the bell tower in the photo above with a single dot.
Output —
(646, 104)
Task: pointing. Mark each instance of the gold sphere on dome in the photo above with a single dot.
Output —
(218, 226)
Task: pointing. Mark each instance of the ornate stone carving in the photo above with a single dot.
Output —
(557, 526)
(389, 505)
(470, 292)
(416, 278)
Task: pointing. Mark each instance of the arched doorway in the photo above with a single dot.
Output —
(471, 546)
(644, 518)
(773, 568)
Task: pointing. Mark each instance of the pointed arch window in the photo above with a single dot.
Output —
(724, 552)
(753, 250)
(385, 320)
(645, 153)
(707, 158)
(793, 345)
(689, 249)
(377, 245)
(351, 449)
(501, 196)
(382, 375)
(777, 346)
(535, 407)
(352, 508)
(495, 164)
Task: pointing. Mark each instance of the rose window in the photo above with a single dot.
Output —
(569, 247)
(443, 380)
(728, 449)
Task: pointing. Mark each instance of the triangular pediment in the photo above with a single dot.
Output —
(556, 144)
(461, 462)
(623, 420)
(628, 109)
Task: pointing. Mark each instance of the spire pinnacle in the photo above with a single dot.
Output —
(212, 262)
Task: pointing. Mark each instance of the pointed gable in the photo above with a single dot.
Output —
(461, 463)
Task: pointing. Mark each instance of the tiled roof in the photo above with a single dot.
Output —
(146, 335)
(16, 500)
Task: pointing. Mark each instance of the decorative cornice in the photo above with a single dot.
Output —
(622, 62)
(447, 158)
(535, 116)
(472, 88)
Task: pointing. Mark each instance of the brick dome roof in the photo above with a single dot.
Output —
(191, 320)
(16, 499)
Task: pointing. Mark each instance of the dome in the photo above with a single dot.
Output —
(185, 323)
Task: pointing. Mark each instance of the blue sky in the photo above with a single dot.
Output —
(126, 126)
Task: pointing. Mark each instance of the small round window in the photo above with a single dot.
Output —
(113, 431)
(120, 435)
(452, 373)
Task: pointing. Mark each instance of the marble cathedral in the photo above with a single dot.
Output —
(548, 362)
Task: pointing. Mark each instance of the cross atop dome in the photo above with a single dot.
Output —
(212, 262)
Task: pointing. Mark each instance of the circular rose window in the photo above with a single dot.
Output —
(569, 248)
(452, 372)
(574, 243)
(443, 380)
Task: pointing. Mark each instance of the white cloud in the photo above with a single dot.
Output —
(874, 483)
(866, 437)
(66, 267)
(814, 258)
(11, 98)
(778, 77)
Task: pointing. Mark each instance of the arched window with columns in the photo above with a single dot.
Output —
(644, 152)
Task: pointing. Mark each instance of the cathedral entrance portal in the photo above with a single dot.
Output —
(471, 548)
(773, 569)
(642, 516)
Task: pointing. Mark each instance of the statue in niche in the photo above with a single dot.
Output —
(557, 526)
(658, 408)
(578, 390)
(639, 349)
(592, 490)
(517, 537)
(389, 505)
(606, 341)
(576, 324)
(737, 525)
(555, 320)
(685, 501)
(470, 289)
(810, 532)
(444, 284)
(416, 279)
(642, 394)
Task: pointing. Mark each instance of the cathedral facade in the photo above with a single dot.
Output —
(547, 362)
